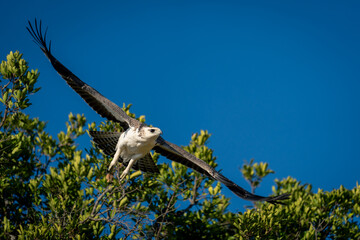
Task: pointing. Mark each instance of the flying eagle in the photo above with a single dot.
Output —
(132, 146)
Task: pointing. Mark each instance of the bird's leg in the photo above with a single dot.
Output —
(109, 176)
(116, 157)
(127, 169)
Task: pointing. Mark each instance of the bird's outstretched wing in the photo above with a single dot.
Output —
(177, 154)
(107, 141)
(93, 98)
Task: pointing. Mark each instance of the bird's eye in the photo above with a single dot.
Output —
(152, 130)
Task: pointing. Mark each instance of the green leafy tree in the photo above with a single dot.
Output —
(52, 189)
(308, 215)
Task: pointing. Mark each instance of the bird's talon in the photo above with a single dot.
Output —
(109, 177)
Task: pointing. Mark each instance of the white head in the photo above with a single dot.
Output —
(150, 133)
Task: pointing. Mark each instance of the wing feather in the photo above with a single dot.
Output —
(147, 164)
(106, 141)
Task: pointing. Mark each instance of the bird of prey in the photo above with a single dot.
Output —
(132, 146)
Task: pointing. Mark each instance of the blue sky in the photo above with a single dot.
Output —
(277, 82)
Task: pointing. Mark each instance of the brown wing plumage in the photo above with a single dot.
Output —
(146, 164)
(106, 141)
